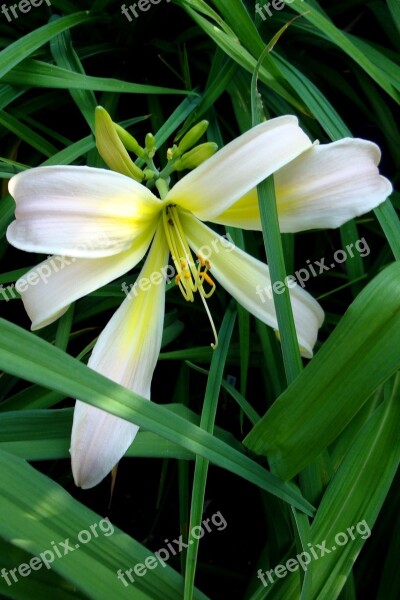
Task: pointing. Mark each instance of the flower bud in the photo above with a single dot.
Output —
(110, 147)
(129, 141)
(196, 157)
(192, 137)
(150, 145)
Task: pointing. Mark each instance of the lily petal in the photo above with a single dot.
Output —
(248, 281)
(78, 211)
(323, 188)
(224, 178)
(126, 352)
(48, 289)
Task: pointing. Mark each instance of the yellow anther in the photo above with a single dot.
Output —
(207, 278)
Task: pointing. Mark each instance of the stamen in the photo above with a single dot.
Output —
(190, 277)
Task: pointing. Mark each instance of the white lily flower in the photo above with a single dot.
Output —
(105, 222)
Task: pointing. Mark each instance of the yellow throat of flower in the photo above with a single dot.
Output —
(191, 277)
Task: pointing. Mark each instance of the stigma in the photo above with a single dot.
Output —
(190, 277)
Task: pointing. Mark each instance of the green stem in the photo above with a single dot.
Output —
(162, 187)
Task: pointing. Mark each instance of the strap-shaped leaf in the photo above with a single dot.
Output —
(40, 512)
(27, 356)
(361, 354)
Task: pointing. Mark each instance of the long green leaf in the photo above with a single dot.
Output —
(40, 512)
(360, 355)
(27, 356)
(46, 435)
(40, 584)
(26, 133)
(344, 42)
(207, 424)
(274, 249)
(40, 74)
(350, 506)
(22, 48)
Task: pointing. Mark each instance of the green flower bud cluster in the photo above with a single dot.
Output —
(186, 155)
(113, 143)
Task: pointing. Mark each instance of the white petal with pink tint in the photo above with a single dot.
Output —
(126, 352)
(215, 185)
(323, 188)
(78, 211)
(330, 184)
